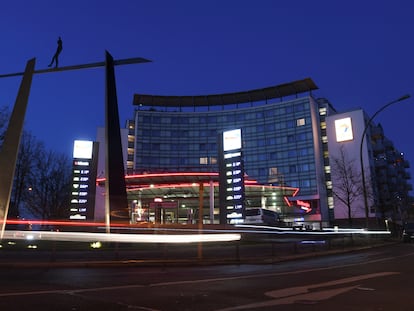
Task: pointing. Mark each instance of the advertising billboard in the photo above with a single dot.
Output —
(343, 129)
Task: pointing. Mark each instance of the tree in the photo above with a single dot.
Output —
(347, 183)
(29, 149)
(49, 185)
(42, 178)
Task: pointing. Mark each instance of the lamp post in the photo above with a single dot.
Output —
(367, 125)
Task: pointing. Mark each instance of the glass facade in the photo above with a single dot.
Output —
(280, 144)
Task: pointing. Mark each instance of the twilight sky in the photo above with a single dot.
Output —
(359, 53)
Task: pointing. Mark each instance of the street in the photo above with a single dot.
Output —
(374, 279)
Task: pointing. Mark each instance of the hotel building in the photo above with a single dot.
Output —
(290, 150)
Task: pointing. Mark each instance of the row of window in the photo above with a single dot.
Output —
(158, 131)
(224, 117)
(212, 146)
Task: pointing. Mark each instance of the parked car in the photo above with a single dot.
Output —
(408, 232)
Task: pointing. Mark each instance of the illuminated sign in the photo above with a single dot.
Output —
(232, 140)
(231, 187)
(83, 176)
(82, 149)
(343, 130)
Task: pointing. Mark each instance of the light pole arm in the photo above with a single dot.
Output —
(361, 146)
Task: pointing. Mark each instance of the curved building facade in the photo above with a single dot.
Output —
(283, 139)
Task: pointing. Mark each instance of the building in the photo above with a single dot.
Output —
(386, 195)
(292, 143)
(283, 141)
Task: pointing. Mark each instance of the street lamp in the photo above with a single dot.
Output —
(360, 151)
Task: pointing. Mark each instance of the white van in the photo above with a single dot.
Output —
(261, 216)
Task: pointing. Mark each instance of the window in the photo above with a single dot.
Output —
(204, 160)
(146, 119)
(260, 128)
(292, 168)
(272, 171)
(165, 147)
(305, 183)
(290, 124)
(301, 137)
(305, 167)
(300, 122)
(292, 153)
(300, 107)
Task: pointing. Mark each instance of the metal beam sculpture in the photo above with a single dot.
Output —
(11, 143)
(116, 204)
(126, 61)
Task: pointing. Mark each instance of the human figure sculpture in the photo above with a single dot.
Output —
(55, 58)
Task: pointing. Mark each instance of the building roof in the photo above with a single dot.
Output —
(278, 91)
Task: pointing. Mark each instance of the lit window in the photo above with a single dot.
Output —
(300, 122)
(327, 169)
(322, 111)
(330, 202)
(272, 171)
(204, 160)
(323, 125)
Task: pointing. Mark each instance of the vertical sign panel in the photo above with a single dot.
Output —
(83, 180)
(231, 175)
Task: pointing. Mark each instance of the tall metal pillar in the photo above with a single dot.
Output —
(11, 143)
(116, 203)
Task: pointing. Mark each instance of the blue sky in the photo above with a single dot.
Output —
(359, 53)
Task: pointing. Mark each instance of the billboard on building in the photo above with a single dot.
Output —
(343, 129)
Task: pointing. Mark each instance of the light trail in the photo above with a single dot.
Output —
(119, 237)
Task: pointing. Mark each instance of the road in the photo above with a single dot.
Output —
(374, 279)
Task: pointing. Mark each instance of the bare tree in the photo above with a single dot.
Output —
(347, 182)
(29, 149)
(49, 185)
(42, 178)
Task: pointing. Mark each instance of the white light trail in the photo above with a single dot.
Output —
(118, 237)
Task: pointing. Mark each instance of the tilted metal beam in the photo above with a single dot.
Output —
(11, 143)
(126, 61)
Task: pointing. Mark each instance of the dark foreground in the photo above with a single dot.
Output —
(376, 278)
